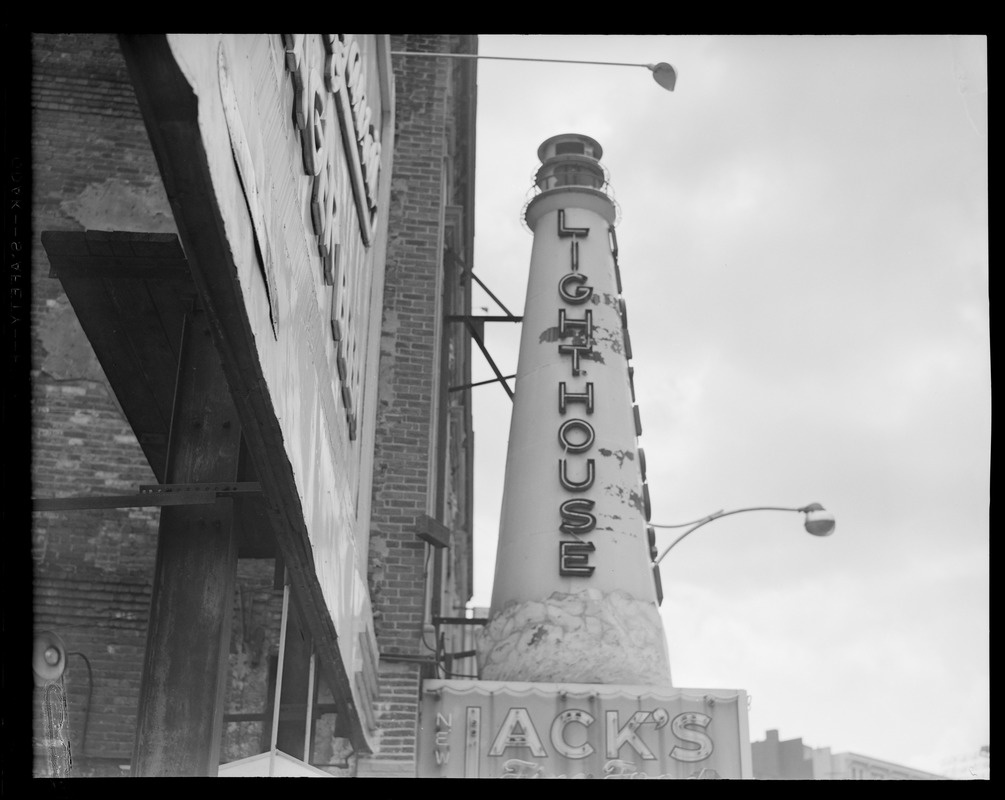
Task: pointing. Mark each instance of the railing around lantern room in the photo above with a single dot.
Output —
(570, 161)
(570, 170)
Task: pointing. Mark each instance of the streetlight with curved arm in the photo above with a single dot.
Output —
(819, 522)
(664, 74)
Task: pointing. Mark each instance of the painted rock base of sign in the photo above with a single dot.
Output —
(583, 637)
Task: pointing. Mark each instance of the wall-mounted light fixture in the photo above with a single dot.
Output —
(664, 74)
(818, 522)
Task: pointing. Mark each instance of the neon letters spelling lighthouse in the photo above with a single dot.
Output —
(574, 598)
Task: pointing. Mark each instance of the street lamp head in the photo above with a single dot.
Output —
(664, 74)
(819, 521)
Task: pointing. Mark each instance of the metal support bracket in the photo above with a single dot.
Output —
(464, 386)
(476, 327)
(477, 319)
(150, 495)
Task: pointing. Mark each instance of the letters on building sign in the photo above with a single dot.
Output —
(492, 729)
(441, 741)
(576, 734)
(328, 104)
(333, 118)
(575, 435)
(576, 516)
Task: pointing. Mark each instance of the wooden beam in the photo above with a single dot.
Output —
(181, 700)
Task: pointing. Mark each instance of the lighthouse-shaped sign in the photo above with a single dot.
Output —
(574, 678)
(574, 595)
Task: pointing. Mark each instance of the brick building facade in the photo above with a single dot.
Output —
(423, 461)
(95, 170)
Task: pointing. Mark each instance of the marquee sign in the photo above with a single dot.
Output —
(489, 729)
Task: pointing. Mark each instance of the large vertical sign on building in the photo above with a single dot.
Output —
(575, 675)
(573, 582)
(275, 151)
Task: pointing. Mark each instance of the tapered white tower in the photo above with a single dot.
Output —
(574, 598)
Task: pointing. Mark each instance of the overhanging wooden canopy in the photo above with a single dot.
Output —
(130, 292)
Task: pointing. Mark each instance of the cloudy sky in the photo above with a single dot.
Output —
(804, 253)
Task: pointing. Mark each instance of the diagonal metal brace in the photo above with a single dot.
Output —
(478, 319)
(462, 387)
(465, 268)
(475, 334)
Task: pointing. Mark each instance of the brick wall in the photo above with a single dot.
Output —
(402, 489)
(92, 169)
(398, 712)
(409, 442)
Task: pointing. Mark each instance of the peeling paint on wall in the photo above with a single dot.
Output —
(115, 204)
(621, 455)
(67, 353)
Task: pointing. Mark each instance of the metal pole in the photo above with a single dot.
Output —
(277, 698)
(710, 518)
(515, 58)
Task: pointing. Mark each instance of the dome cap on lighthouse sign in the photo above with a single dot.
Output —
(565, 143)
